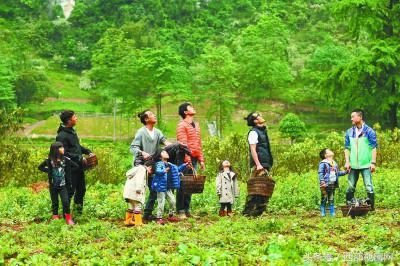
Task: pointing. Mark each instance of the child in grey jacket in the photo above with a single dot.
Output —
(227, 188)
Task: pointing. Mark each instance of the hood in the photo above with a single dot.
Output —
(66, 129)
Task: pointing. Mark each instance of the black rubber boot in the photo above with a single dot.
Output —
(371, 197)
(349, 197)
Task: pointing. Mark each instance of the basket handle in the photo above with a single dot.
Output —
(263, 172)
(194, 172)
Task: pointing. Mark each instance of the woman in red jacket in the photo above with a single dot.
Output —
(188, 133)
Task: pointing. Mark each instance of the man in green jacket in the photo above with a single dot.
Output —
(66, 134)
(360, 154)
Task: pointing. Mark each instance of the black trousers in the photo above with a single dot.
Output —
(183, 200)
(63, 193)
(228, 206)
(255, 205)
(78, 186)
(151, 200)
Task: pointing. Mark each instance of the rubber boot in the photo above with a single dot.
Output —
(68, 219)
(371, 197)
(55, 217)
(128, 218)
(349, 197)
(332, 210)
(138, 218)
(229, 213)
(222, 213)
(323, 211)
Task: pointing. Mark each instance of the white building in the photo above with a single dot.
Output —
(67, 6)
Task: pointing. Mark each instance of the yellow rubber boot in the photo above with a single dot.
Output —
(138, 218)
(128, 218)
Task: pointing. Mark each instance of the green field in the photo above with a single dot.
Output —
(290, 233)
(65, 84)
(320, 60)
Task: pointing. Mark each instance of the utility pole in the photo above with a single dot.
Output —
(115, 120)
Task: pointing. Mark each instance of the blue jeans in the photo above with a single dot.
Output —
(183, 200)
(353, 178)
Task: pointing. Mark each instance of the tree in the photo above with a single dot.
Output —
(292, 127)
(163, 73)
(31, 85)
(215, 83)
(371, 79)
(262, 58)
(10, 121)
(7, 77)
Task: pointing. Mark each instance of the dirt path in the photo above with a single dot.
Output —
(48, 136)
(74, 100)
(26, 131)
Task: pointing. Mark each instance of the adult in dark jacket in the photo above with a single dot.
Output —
(67, 135)
(260, 160)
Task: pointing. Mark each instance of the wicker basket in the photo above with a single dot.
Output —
(90, 163)
(192, 183)
(355, 211)
(261, 183)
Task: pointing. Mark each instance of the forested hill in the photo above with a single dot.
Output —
(231, 54)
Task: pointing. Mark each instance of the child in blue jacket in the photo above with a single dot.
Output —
(166, 178)
(328, 172)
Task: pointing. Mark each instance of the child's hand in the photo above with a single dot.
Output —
(167, 169)
(323, 185)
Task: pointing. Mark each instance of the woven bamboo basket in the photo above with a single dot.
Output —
(91, 162)
(192, 183)
(355, 211)
(261, 183)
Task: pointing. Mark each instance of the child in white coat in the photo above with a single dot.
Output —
(135, 192)
(227, 188)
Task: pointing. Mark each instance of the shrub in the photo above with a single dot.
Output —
(292, 127)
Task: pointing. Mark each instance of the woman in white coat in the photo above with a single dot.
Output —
(135, 192)
(227, 188)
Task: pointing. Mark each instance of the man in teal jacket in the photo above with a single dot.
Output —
(360, 154)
